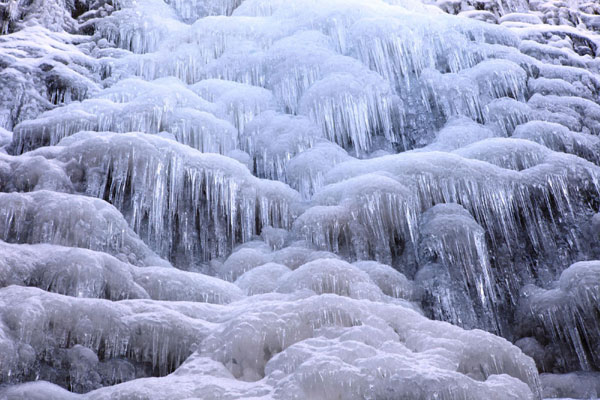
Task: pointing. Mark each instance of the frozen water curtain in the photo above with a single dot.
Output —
(299, 199)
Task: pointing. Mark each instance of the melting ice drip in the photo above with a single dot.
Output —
(291, 199)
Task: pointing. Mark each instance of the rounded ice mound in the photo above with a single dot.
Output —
(273, 139)
(241, 261)
(509, 153)
(523, 18)
(390, 281)
(503, 115)
(451, 240)
(174, 285)
(331, 276)
(71, 220)
(38, 326)
(351, 109)
(305, 172)
(559, 138)
(504, 202)
(275, 237)
(332, 369)
(458, 132)
(140, 29)
(84, 273)
(134, 105)
(298, 254)
(69, 271)
(38, 390)
(240, 103)
(368, 216)
(263, 279)
(24, 174)
(291, 341)
(319, 368)
(565, 317)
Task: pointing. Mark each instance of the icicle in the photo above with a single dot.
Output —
(567, 315)
(374, 215)
(450, 236)
(350, 114)
(158, 183)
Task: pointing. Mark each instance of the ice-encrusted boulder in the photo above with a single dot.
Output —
(565, 318)
(83, 273)
(455, 272)
(71, 220)
(40, 330)
(262, 279)
(387, 335)
(390, 281)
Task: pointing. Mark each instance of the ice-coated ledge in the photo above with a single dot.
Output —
(299, 199)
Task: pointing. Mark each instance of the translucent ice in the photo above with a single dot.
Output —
(324, 176)
(567, 315)
(71, 220)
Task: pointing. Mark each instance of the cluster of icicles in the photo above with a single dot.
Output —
(299, 199)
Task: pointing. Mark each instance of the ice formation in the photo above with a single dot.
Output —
(299, 199)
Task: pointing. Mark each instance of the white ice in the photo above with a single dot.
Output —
(299, 199)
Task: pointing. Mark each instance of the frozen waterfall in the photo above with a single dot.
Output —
(299, 199)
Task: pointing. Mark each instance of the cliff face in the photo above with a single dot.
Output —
(299, 199)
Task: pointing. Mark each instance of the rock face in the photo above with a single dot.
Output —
(299, 199)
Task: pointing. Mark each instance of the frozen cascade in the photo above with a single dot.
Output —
(141, 176)
(567, 314)
(450, 237)
(299, 199)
